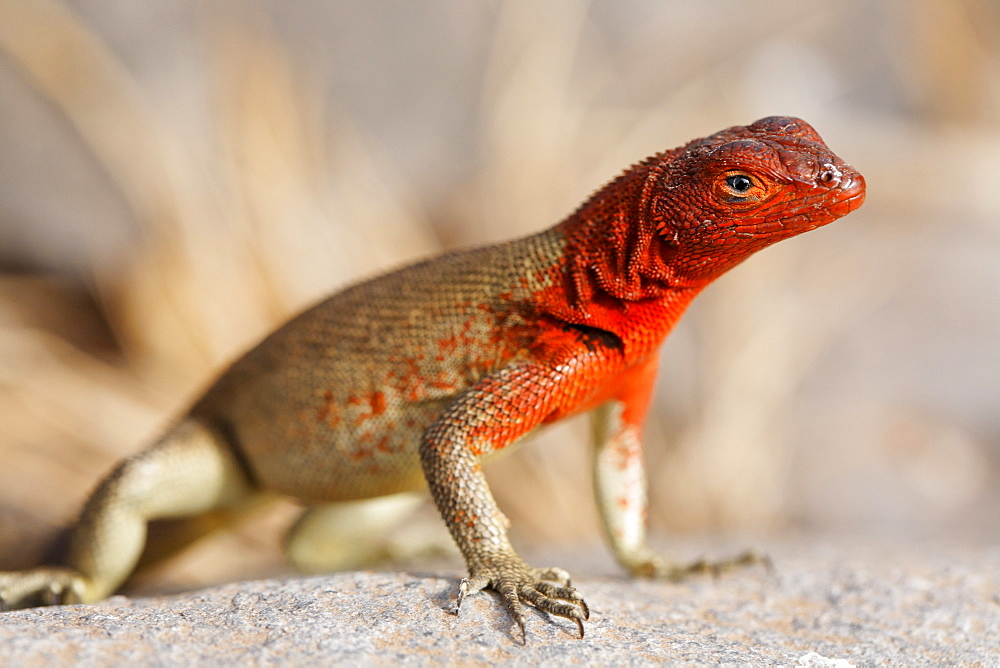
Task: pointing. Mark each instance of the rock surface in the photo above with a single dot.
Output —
(825, 604)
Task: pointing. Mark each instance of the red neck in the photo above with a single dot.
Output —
(616, 273)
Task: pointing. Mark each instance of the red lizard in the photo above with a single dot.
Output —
(412, 378)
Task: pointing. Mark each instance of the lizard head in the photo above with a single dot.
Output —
(732, 193)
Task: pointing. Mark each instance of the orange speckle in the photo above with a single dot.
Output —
(378, 403)
(328, 411)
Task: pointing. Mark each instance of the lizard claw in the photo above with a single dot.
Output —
(545, 588)
(548, 597)
(470, 586)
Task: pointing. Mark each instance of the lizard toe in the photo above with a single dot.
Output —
(470, 586)
(508, 592)
(570, 594)
(555, 606)
(40, 586)
(676, 572)
(54, 593)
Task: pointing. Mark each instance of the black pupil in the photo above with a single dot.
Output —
(739, 183)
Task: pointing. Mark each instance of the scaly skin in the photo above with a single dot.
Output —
(412, 378)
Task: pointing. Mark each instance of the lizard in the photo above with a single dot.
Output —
(411, 380)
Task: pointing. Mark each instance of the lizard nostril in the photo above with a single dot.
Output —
(829, 177)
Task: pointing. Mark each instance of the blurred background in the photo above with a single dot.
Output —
(178, 177)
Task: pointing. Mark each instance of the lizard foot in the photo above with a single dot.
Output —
(40, 586)
(547, 589)
(652, 565)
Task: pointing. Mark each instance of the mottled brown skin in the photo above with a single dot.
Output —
(410, 379)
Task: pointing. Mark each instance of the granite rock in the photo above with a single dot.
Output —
(825, 603)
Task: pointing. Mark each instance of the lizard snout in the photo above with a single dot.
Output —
(852, 191)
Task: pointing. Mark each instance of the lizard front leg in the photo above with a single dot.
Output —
(489, 416)
(620, 482)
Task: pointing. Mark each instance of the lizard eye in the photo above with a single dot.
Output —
(736, 187)
(739, 183)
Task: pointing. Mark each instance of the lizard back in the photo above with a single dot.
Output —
(331, 405)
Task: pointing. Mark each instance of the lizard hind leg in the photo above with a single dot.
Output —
(347, 534)
(189, 471)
